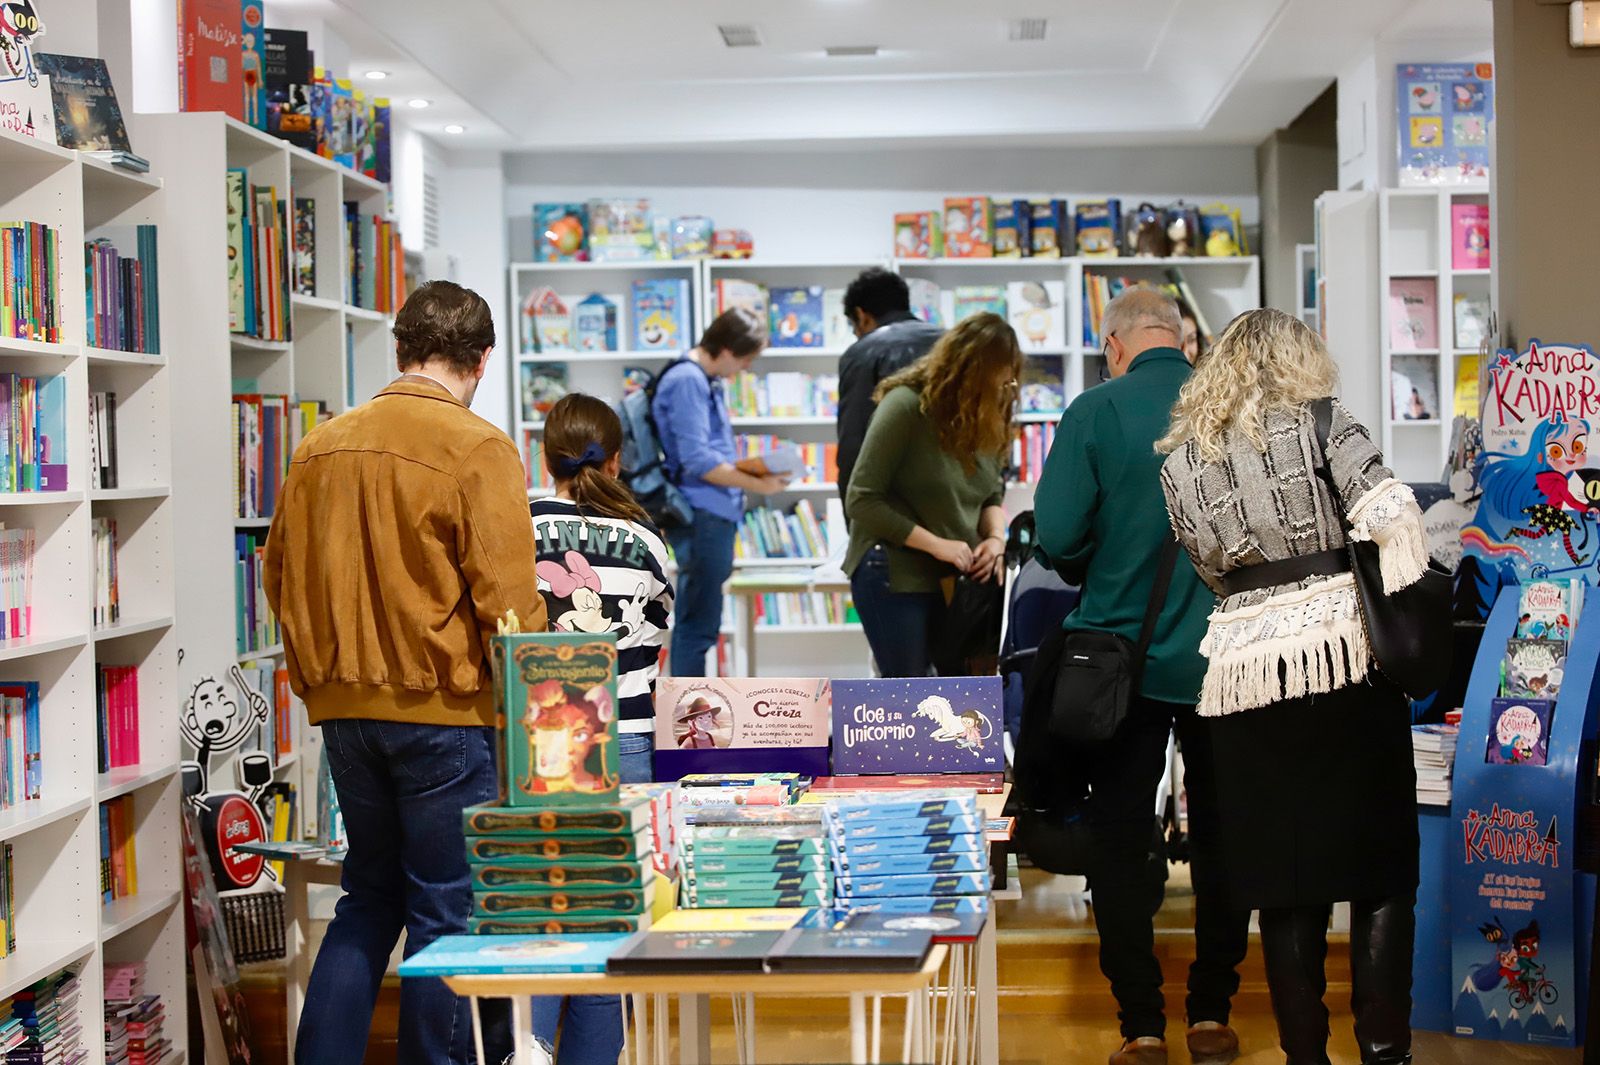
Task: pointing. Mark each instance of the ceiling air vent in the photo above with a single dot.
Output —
(1027, 29)
(839, 51)
(740, 36)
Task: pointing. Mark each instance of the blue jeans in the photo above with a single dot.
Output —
(897, 624)
(592, 1034)
(704, 552)
(401, 789)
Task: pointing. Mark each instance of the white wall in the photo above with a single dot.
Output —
(840, 204)
(472, 227)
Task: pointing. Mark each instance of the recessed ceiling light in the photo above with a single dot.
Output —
(841, 51)
(455, 127)
(377, 75)
(418, 102)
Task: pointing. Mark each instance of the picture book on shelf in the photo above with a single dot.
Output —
(87, 117)
(251, 49)
(1469, 236)
(1414, 388)
(926, 300)
(751, 295)
(1534, 668)
(1443, 112)
(1413, 313)
(918, 725)
(1467, 392)
(1038, 311)
(968, 227)
(1013, 220)
(796, 316)
(305, 245)
(594, 324)
(837, 331)
(918, 235)
(557, 695)
(1471, 320)
(288, 73)
(547, 322)
(620, 230)
(661, 312)
(1519, 731)
(1047, 230)
(543, 383)
(1099, 226)
(976, 299)
(1545, 610)
(211, 48)
(1044, 389)
(560, 232)
(733, 724)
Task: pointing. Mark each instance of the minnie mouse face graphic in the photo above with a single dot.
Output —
(573, 583)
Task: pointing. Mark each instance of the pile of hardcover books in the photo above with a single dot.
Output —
(754, 856)
(47, 1015)
(564, 851)
(1433, 750)
(912, 852)
(133, 1018)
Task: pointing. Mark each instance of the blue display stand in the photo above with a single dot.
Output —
(1432, 991)
(1519, 912)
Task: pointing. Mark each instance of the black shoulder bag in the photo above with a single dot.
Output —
(1409, 632)
(1099, 672)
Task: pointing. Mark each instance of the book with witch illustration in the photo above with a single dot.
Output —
(557, 699)
(917, 725)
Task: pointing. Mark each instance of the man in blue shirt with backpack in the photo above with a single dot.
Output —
(690, 410)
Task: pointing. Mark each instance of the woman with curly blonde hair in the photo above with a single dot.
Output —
(925, 497)
(1311, 744)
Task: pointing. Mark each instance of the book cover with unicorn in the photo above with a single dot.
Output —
(917, 725)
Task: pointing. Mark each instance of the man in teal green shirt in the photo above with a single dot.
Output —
(1101, 524)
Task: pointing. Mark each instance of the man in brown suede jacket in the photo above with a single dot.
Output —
(402, 535)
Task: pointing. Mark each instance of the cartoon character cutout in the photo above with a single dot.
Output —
(572, 588)
(212, 721)
(19, 25)
(1547, 484)
(564, 727)
(658, 330)
(696, 721)
(966, 730)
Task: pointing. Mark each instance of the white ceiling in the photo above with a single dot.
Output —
(553, 75)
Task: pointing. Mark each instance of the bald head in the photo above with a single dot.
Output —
(1136, 321)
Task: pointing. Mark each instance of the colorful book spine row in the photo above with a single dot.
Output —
(267, 429)
(119, 875)
(1030, 449)
(12, 1035)
(33, 433)
(22, 768)
(103, 439)
(539, 476)
(258, 259)
(107, 599)
(43, 1025)
(768, 533)
(122, 296)
(29, 282)
(117, 716)
(804, 608)
(16, 583)
(1101, 289)
(376, 276)
(256, 627)
(269, 687)
(784, 395)
(819, 462)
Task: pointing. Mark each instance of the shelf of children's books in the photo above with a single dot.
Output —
(34, 348)
(35, 814)
(40, 499)
(769, 563)
(35, 959)
(364, 313)
(605, 266)
(149, 491)
(1002, 263)
(241, 342)
(1475, 271)
(20, 151)
(739, 421)
(720, 265)
(1035, 417)
(106, 356)
(126, 778)
(103, 180)
(596, 356)
(257, 655)
(314, 303)
(1090, 261)
(253, 523)
(131, 627)
(130, 911)
(1415, 423)
(29, 646)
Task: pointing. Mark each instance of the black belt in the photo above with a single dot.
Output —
(1286, 571)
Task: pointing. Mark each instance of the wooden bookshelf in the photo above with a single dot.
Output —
(60, 919)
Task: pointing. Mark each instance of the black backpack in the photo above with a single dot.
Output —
(644, 465)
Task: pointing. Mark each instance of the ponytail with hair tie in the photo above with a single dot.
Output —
(593, 455)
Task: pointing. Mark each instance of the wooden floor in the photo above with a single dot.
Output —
(1055, 1005)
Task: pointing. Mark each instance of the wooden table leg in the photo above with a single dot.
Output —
(694, 1029)
(988, 997)
(296, 956)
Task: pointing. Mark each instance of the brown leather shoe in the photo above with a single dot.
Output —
(1211, 1043)
(1146, 1050)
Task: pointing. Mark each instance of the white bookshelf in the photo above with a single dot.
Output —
(60, 918)
(1305, 285)
(1414, 245)
(213, 363)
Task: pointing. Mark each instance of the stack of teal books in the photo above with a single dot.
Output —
(561, 870)
(754, 856)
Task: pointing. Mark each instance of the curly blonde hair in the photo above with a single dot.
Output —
(967, 384)
(1265, 360)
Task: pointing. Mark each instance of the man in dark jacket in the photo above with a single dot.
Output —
(888, 339)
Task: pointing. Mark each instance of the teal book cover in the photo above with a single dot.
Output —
(557, 701)
(527, 955)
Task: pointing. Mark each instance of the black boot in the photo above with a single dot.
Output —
(1382, 933)
(1294, 943)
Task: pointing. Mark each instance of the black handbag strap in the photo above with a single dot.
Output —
(1152, 610)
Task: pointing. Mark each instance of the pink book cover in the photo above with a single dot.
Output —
(130, 712)
(113, 725)
(1469, 233)
(1413, 314)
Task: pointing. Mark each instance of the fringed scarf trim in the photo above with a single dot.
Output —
(1388, 514)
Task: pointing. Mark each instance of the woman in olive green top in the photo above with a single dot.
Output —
(925, 496)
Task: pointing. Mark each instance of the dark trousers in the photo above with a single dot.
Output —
(401, 789)
(704, 553)
(898, 625)
(1128, 870)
